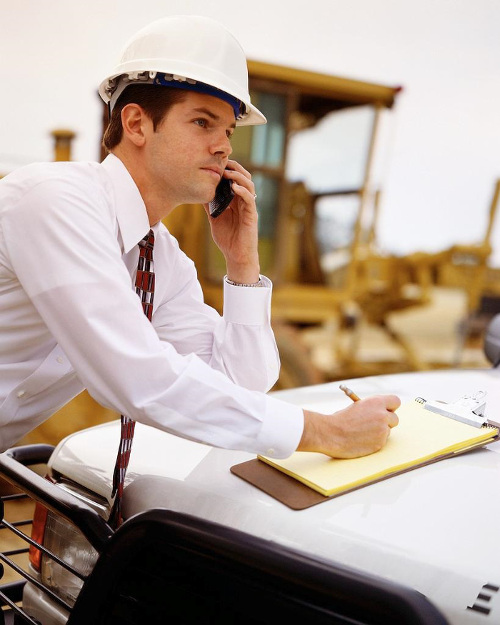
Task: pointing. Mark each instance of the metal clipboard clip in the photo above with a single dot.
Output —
(468, 409)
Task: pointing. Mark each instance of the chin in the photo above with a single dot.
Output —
(207, 197)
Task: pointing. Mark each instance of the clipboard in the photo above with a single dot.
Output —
(423, 437)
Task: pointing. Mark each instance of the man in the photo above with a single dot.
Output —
(69, 235)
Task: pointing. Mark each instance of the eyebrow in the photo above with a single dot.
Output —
(213, 116)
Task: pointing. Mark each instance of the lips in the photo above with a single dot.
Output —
(218, 171)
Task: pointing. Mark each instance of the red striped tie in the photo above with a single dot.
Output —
(144, 287)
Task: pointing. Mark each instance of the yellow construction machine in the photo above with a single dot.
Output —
(315, 223)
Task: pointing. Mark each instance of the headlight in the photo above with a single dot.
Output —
(66, 542)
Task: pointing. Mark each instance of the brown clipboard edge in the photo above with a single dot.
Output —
(298, 496)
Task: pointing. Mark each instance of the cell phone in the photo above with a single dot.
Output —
(223, 196)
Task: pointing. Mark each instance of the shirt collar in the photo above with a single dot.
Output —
(131, 214)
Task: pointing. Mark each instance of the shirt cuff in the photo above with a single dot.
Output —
(247, 305)
(281, 429)
(259, 283)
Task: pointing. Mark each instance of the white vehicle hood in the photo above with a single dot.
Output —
(433, 529)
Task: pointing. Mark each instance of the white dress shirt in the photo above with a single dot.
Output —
(70, 319)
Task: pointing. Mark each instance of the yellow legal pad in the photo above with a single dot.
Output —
(421, 437)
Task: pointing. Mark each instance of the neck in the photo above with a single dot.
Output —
(157, 205)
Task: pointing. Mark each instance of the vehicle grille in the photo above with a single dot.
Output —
(20, 488)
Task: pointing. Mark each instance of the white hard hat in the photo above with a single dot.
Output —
(187, 50)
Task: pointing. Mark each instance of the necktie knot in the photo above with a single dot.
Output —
(148, 241)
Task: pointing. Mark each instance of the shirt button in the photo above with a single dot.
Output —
(21, 393)
(60, 360)
(271, 452)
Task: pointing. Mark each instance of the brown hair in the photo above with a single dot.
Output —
(155, 100)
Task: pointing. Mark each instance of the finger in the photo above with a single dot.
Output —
(386, 402)
(241, 180)
(237, 167)
(392, 402)
(246, 194)
(393, 420)
(241, 176)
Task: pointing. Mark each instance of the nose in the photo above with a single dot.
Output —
(222, 146)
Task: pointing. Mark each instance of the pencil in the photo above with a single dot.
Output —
(351, 394)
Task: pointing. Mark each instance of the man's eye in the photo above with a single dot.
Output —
(201, 122)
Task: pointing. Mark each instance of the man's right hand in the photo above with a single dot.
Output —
(358, 430)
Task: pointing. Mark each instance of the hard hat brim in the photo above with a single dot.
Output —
(251, 117)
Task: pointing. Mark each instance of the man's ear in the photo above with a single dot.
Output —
(134, 123)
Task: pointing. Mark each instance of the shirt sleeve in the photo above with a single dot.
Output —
(182, 319)
(74, 274)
